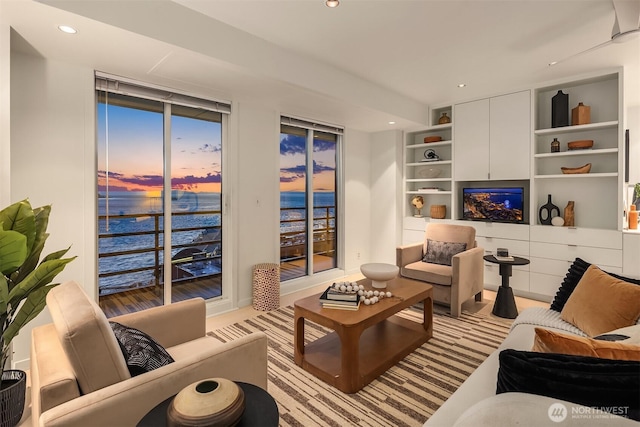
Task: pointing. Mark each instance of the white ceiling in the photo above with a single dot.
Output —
(361, 64)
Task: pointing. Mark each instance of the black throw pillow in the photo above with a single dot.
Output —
(575, 273)
(142, 353)
(590, 381)
(442, 252)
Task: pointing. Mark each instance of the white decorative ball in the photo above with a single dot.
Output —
(349, 288)
(360, 292)
(354, 285)
(375, 299)
(367, 301)
(389, 294)
(362, 297)
(361, 287)
(343, 288)
(558, 221)
(376, 293)
(369, 294)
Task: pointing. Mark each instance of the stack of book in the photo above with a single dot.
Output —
(334, 298)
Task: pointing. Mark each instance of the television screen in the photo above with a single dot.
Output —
(493, 204)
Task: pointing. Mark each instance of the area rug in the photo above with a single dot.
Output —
(406, 395)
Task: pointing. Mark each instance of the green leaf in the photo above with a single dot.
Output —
(33, 305)
(13, 251)
(21, 218)
(4, 293)
(41, 276)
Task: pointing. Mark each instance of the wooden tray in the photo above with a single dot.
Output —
(428, 139)
(580, 144)
(582, 169)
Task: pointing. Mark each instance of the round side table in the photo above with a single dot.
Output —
(260, 409)
(505, 304)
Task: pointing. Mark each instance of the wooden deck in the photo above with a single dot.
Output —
(140, 299)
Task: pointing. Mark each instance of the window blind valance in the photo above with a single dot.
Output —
(306, 124)
(119, 85)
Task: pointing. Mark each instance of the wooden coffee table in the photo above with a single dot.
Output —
(365, 343)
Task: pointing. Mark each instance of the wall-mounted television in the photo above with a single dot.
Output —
(493, 204)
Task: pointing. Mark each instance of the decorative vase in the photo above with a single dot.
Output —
(555, 145)
(545, 214)
(569, 214)
(633, 217)
(560, 110)
(214, 401)
(444, 119)
(581, 115)
(12, 395)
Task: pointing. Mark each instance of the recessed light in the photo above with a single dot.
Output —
(392, 123)
(332, 3)
(67, 29)
(552, 63)
(462, 85)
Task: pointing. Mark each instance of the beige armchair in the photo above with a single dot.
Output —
(452, 284)
(79, 376)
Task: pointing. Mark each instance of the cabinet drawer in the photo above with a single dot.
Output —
(611, 239)
(499, 230)
(515, 247)
(544, 284)
(413, 223)
(599, 256)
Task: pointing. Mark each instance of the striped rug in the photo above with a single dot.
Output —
(406, 395)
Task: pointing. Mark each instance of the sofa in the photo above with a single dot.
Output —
(80, 376)
(476, 402)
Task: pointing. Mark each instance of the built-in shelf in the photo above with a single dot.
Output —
(578, 175)
(428, 179)
(577, 128)
(430, 144)
(587, 152)
(429, 192)
(439, 162)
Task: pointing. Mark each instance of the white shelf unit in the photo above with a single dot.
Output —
(596, 194)
(430, 179)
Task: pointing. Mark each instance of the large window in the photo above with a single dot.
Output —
(309, 160)
(159, 169)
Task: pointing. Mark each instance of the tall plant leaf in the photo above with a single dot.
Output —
(41, 216)
(4, 294)
(21, 218)
(41, 276)
(13, 251)
(32, 306)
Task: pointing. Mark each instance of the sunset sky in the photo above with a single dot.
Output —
(135, 154)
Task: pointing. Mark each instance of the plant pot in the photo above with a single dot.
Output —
(12, 394)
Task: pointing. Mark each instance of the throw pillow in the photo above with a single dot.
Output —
(626, 335)
(141, 352)
(589, 381)
(601, 303)
(573, 276)
(442, 252)
(547, 341)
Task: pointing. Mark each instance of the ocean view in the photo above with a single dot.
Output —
(126, 213)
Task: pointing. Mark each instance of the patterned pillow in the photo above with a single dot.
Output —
(442, 252)
(142, 353)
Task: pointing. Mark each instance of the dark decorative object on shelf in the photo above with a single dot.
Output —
(555, 145)
(569, 214)
(12, 395)
(560, 110)
(444, 119)
(546, 212)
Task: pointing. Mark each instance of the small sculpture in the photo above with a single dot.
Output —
(418, 203)
(545, 214)
(569, 214)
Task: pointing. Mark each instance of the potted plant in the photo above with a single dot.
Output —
(24, 284)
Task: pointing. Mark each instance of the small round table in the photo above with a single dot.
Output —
(260, 409)
(505, 304)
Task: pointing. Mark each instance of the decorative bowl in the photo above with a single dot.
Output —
(582, 169)
(379, 273)
(428, 139)
(427, 172)
(580, 144)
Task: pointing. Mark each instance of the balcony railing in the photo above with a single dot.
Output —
(133, 246)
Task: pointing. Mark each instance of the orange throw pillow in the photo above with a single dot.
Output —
(554, 342)
(601, 303)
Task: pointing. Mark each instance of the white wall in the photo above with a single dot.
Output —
(53, 162)
(386, 177)
(5, 103)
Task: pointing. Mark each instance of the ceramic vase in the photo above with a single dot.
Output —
(545, 214)
(444, 119)
(560, 110)
(569, 215)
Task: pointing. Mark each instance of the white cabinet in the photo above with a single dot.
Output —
(492, 138)
(631, 254)
(553, 249)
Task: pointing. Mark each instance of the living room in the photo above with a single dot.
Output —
(47, 141)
